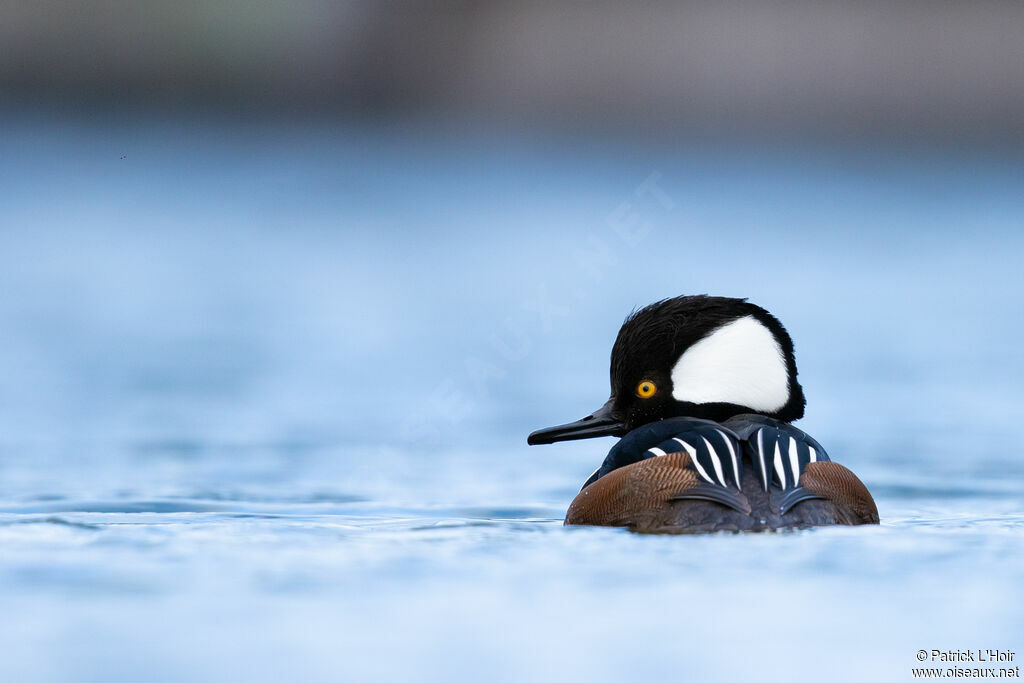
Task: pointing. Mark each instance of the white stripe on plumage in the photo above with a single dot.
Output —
(779, 469)
(732, 455)
(693, 458)
(761, 458)
(794, 460)
(715, 461)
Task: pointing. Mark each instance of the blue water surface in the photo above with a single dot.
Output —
(265, 389)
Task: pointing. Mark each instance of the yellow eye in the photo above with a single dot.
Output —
(646, 389)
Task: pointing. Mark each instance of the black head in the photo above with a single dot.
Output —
(694, 356)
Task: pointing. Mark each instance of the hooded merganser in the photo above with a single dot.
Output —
(703, 391)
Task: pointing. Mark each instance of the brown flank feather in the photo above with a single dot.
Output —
(832, 481)
(628, 495)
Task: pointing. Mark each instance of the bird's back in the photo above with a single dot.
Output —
(666, 495)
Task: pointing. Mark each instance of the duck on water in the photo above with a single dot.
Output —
(703, 391)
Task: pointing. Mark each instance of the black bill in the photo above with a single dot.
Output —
(603, 422)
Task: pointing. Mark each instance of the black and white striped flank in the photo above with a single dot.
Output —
(714, 454)
(781, 455)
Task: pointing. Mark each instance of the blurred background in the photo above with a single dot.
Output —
(936, 70)
(284, 286)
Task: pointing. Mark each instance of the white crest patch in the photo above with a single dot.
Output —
(740, 362)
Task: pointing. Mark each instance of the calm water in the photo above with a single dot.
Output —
(266, 388)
